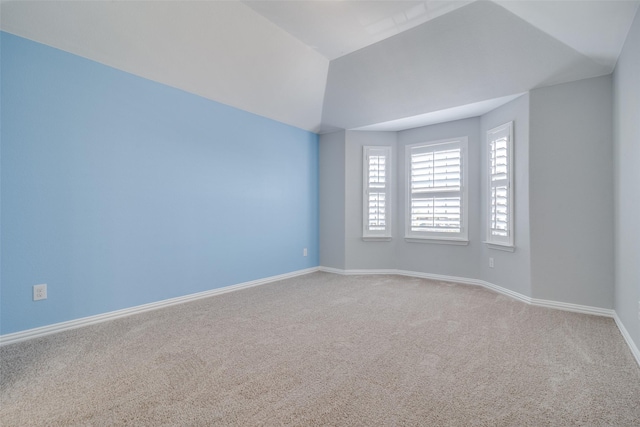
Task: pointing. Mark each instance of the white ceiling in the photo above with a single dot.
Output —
(336, 28)
(441, 116)
(220, 50)
(597, 29)
(323, 65)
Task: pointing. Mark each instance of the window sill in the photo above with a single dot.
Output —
(376, 239)
(456, 242)
(499, 247)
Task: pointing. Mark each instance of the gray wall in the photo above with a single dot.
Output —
(571, 197)
(626, 83)
(512, 270)
(452, 260)
(409, 74)
(369, 254)
(332, 200)
(563, 193)
(341, 185)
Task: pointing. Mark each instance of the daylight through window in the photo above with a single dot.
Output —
(437, 190)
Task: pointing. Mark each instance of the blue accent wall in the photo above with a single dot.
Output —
(118, 191)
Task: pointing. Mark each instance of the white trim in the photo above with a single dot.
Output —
(357, 272)
(332, 270)
(382, 150)
(565, 306)
(498, 247)
(437, 241)
(627, 338)
(576, 308)
(504, 291)
(376, 239)
(463, 143)
(90, 320)
(86, 321)
(496, 240)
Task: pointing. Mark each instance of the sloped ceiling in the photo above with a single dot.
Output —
(324, 65)
(336, 28)
(475, 53)
(220, 50)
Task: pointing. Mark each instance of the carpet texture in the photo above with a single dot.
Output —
(324, 349)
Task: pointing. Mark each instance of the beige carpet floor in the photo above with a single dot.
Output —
(330, 350)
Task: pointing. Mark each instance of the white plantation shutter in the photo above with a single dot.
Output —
(500, 155)
(376, 194)
(436, 190)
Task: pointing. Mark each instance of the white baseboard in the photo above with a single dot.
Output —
(576, 308)
(467, 281)
(356, 272)
(627, 338)
(85, 321)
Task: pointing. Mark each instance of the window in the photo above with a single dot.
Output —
(437, 190)
(500, 191)
(377, 193)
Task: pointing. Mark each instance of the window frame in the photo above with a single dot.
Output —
(502, 242)
(440, 236)
(386, 234)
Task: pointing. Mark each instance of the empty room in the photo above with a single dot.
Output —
(310, 213)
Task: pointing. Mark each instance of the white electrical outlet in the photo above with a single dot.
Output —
(39, 292)
(490, 262)
(304, 252)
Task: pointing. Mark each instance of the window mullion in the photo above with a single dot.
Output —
(436, 189)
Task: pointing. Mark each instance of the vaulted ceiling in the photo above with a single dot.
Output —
(324, 65)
